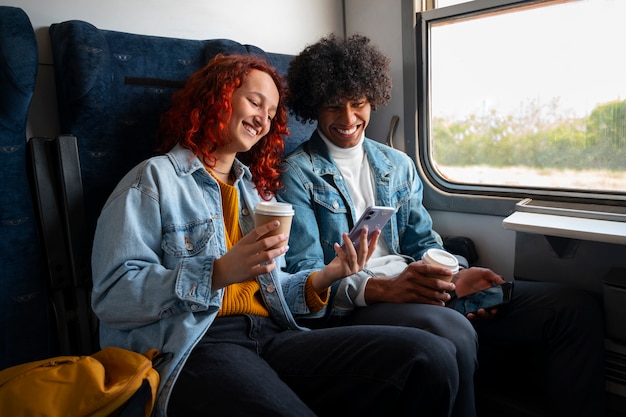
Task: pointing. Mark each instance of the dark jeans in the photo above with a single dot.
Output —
(441, 321)
(246, 365)
(549, 338)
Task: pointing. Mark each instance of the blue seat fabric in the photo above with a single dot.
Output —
(112, 88)
(26, 332)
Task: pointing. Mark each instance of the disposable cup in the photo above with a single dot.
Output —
(268, 211)
(439, 257)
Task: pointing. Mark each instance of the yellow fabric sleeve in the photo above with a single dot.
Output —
(314, 300)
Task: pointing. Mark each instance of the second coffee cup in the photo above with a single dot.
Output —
(438, 257)
(268, 211)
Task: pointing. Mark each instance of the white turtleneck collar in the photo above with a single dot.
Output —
(343, 153)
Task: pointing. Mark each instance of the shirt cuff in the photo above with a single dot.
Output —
(359, 301)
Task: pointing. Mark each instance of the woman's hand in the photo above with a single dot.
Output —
(348, 260)
(250, 257)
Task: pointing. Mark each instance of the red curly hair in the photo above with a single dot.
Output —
(205, 102)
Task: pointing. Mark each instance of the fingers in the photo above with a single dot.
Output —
(372, 243)
(354, 259)
(347, 246)
(266, 236)
(497, 280)
(428, 276)
(350, 255)
(432, 270)
(488, 275)
(253, 253)
(436, 297)
(483, 314)
(260, 231)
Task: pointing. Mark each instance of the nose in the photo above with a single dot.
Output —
(263, 118)
(348, 115)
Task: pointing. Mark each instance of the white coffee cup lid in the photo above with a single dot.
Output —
(274, 208)
(441, 258)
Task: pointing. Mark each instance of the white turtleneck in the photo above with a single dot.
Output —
(355, 168)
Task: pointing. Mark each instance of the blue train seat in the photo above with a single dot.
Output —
(26, 326)
(113, 86)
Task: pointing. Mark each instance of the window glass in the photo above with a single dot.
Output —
(444, 3)
(530, 97)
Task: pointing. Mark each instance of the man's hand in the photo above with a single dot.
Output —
(418, 283)
(474, 279)
(471, 280)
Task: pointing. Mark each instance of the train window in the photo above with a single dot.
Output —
(523, 95)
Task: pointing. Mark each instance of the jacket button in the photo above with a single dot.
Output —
(335, 204)
(188, 244)
(271, 288)
(245, 212)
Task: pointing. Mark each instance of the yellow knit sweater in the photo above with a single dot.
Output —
(245, 297)
(242, 297)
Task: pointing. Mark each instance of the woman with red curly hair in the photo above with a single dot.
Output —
(178, 265)
(199, 115)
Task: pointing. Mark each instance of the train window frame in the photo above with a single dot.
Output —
(442, 194)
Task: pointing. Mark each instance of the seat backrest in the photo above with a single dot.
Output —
(26, 330)
(112, 88)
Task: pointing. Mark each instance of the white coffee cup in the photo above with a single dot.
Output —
(268, 211)
(439, 257)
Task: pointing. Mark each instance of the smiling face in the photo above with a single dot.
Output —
(344, 121)
(254, 105)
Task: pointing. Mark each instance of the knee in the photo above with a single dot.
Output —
(437, 355)
(441, 366)
(455, 327)
(418, 353)
(460, 330)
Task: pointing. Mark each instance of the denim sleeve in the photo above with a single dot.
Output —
(131, 285)
(305, 250)
(416, 234)
(294, 292)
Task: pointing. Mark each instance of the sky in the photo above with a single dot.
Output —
(571, 52)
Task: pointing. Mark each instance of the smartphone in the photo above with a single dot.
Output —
(374, 217)
(489, 298)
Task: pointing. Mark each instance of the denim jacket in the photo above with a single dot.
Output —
(323, 210)
(156, 240)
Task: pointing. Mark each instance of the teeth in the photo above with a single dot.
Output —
(251, 130)
(347, 131)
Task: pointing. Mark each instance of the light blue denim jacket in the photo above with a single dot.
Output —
(157, 238)
(323, 209)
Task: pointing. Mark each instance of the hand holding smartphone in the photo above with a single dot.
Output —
(374, 217)
(485, 299)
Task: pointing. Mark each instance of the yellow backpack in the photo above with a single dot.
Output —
(104, 384)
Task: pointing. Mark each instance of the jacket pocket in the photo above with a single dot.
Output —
(330, 199)
(187, 240)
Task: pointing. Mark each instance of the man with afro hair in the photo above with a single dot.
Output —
(334, 176)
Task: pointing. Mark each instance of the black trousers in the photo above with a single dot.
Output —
(247, 366)
(442, 321)
(549, 339)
